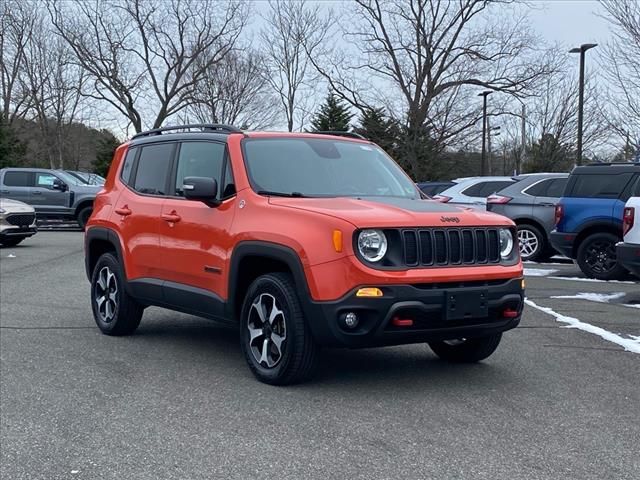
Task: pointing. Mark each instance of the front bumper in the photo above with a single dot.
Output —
(629, 256)
(425, 305)
(12, 231)
(563, 242)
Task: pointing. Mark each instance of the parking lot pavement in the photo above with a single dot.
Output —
(176, 400)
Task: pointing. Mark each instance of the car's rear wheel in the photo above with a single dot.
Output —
(274, 335)
(466, 350)
(114, 310)
(532, 242)
(83, 217)
(11, 241)
(597, 257)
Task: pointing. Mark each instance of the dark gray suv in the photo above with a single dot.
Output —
(530, 203)
(52, 193)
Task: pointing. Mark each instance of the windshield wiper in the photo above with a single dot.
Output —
(281, 194)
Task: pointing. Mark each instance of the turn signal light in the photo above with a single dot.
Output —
(337, 240)
(559, 213)
(369, 292)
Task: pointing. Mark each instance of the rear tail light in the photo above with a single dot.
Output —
(627, 219)
(559, 213)
(441, 198)
(498, 199)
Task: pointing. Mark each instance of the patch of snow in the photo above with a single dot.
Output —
(630, 345)
(11, 255)
(539, 272)
(73, 472)
(594, 297)
(582, 279)
(635, 337)
(630, 305)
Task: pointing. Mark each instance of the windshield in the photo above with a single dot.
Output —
(324, 168)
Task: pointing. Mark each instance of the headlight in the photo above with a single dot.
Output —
(506, 242)
(2, 210)
(372, 245)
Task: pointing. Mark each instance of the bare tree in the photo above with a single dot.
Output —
(620, 59)
(145, 57)
(16, 24)
(293, 30)
(236, 92)
(428, 54)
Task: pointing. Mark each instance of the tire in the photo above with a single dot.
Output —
(532, 243)
(118, 314)
(597, 257)
(468, 350)
(83, 216)
(11, 241)
(296, 357)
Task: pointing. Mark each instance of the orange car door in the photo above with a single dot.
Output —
(195, 237)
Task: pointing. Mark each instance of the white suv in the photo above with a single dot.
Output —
(629, 250)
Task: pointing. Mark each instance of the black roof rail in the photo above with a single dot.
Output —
(339, 133)
(213, 127)
(604, 164)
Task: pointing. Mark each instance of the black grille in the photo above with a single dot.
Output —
(450, 246)
(21, 219)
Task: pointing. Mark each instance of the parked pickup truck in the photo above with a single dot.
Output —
(52, 193)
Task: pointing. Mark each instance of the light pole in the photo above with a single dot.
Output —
(483, 167)
(582, 49)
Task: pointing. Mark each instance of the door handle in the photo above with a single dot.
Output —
(36, 193)
(124, 211)
(4, 191)
(172, 217)
(547, 204)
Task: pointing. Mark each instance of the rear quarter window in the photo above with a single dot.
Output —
(18, 179)
(600, 186)
(152, 171)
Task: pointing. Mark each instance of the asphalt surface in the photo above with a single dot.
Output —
(176, 401)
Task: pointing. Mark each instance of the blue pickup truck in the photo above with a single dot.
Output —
(589, 217)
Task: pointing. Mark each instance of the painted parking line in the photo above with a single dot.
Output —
(629, 344)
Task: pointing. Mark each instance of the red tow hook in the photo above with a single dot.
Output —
(509, 313)
(401, 322)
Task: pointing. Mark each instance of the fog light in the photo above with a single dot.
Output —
(351, 320)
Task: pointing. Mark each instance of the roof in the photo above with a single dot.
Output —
(606, 168)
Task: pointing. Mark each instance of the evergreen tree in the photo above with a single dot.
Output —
(12, 150)
(104, 153)
(374, 125)
(333, 115)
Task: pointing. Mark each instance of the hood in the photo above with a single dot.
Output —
(390, 212)
(15, 205)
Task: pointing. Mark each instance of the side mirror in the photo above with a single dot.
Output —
(204, 189)
(59, 185)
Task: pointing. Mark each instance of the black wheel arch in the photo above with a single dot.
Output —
(82, 205)
(97, 241)
(250, 259)
(591, 228)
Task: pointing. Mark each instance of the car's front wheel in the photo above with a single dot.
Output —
(114, 310)
(83, 216)
(466, 350)
(274, 335)
(597, 257)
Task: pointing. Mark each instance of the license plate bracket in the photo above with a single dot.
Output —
(467, 304)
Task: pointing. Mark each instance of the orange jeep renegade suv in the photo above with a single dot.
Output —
(303, 240)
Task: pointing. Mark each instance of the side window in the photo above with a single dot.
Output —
(127, 168)
(539, 189)
(493, 187)
(18, 179)
(199, 159)
(45, 180)
(600, 186)
(153, 169)
(474, 190)
(556, 188)
(229, 184)
(632, 190)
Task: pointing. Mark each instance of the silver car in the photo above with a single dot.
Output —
(473, 192)
(530, 203)
(17, 222)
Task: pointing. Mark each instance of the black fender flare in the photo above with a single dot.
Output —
(103, 234)
(272, 251)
